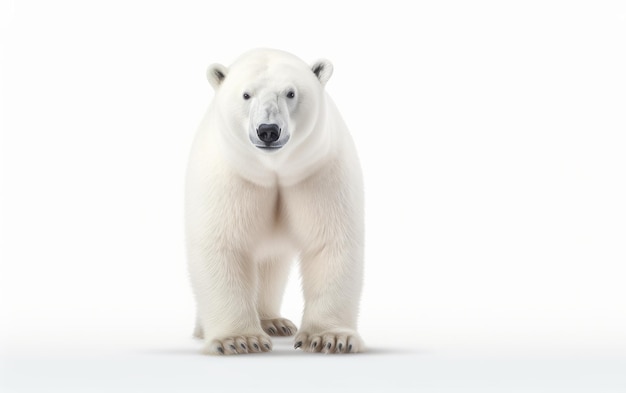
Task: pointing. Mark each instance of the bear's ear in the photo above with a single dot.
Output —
(323, 69)
(216, 73)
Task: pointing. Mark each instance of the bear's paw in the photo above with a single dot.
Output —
(330, 341)
(278, 327)
(242, 344)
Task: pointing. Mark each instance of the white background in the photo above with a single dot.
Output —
(493, 141)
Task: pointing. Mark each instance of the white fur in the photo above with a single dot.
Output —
(250, 211)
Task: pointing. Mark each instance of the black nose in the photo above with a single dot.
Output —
(268, 133)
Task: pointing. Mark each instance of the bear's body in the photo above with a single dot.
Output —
(274, 174)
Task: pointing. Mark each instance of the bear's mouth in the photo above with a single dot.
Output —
(270, 147)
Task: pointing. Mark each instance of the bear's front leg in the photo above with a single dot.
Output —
(224, 216)
(225, 286)
(326, 214)
(331, 281)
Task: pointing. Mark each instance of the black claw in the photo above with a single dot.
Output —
(298, 345)
(284, 329)
(256, 347)
(243, 346)
(314, 345)
(266, 346)
(233, 347)
(350, 348)
(328, 346)
(220, 350)
(271, 330)
(340, 346)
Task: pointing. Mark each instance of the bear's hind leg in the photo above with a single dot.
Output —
(273, 274)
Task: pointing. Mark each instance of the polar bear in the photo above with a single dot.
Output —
(274, 175)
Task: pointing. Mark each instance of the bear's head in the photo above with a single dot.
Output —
(268, 99)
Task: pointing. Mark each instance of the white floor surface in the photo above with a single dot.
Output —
(181, 368)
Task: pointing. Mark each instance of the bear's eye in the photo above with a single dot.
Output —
(246, 96)
(291, 94)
